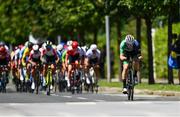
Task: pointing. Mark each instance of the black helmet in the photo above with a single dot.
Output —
(30, 45)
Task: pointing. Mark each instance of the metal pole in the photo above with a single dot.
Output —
(153, 46)
(108, 49)
(59, 39)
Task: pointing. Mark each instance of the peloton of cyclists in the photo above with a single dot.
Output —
(63, 55)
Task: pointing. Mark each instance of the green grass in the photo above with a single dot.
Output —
(153, 87)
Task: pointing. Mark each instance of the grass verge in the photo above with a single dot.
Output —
(153, 87)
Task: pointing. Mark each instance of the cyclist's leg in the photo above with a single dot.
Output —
(69, 74)
(137, 70)
(28, 67)
(45, 66)
(124, 75)
(87, 69)
(53, 68)
(33, 71)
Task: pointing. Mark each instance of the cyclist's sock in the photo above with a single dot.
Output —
(124, 83)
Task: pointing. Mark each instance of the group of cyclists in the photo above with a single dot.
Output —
(26, 58)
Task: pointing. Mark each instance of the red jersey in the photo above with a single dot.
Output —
(72, 52)
(4, 55)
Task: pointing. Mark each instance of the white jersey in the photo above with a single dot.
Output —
(41, 50)
(92, 55)
(81, 51)
(16, 55)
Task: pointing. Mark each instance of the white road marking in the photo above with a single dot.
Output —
(150, 102)
(114, 94)
(80, 103)
(67, 96)
(151, 96)
(99, 100)
(137, 102)
(16, 104)
(54, 94)
(81, 98)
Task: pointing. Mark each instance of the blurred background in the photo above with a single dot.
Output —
(154, 23)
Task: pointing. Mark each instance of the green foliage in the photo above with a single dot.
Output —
(161, 49)
(49, 18)
(146, 8)
(154, 87)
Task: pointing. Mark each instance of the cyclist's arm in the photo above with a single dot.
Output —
(98, 56)
(30, 59)
(138, 49)
(66, 59)
(122, 47)
(63, 57)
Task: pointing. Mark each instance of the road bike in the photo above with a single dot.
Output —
(91, 82)
(49, 79)
(37, 78)
(75, 81)
(3, 78)
(130, 80)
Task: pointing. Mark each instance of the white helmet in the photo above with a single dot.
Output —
(69, 43)
(35, 47)
(129, 39)
(26, 44)
(93, 47)
(44, 45)
(54, 46)
(60, 47)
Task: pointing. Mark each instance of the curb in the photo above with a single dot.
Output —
(139, 91)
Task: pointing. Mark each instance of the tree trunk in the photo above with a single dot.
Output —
(138, 37)
(138, 30)
(95, 35)
(150, 52)
(81, 36)
(118, 46)
(170, 71)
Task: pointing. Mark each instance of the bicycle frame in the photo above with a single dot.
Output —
(49, 79)
(37, 78)
(130, 80)
(74, 81)
(3, 69)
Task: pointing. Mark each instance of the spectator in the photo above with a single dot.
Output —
(176, 55)
(176, 49)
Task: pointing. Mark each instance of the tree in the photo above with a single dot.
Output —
(171, 9)
(148, 10)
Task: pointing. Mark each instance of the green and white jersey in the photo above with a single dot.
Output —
(135, 50)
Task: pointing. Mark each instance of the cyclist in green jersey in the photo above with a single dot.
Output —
(129, 47)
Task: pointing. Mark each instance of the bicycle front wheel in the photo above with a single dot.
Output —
(131, 93)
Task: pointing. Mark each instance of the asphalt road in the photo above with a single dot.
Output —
(87, 104)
